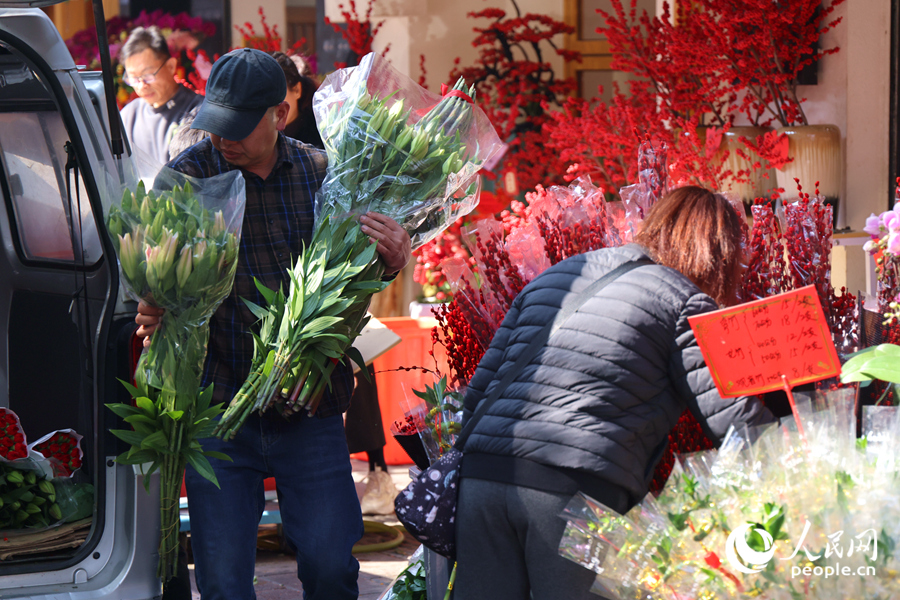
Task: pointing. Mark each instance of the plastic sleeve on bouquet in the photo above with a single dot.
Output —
(178, 247)
(815, 497)
(62, 449)
(396, 149)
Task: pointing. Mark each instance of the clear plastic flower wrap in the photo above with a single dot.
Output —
(797, 510)
(411, 582)
(36, 489)
(435, 413)
(652, 185)
(177, 245)
(399, 150)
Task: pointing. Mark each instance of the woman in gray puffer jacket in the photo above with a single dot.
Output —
(593, 409)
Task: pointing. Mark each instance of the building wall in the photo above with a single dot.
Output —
(438, 29)
(243, 11)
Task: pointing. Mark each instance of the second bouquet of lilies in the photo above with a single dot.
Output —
(177, 247)
(395, 149)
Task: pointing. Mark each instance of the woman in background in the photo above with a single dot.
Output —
(592, 410)
(301, 123)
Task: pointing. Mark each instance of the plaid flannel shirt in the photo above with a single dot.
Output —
(278, 220)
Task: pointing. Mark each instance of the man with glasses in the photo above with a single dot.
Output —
(151, 120)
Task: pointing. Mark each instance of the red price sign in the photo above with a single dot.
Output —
(749, 347)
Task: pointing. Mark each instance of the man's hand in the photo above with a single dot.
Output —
(393, 241)
(148, 319)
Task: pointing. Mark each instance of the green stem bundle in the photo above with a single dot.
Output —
(177, 255)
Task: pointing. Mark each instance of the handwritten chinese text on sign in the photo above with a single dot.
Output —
(750, 346)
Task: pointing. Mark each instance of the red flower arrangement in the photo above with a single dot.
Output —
(359, 32)
(758, 49)
(518, 87)
(63, 449)
(12, 438)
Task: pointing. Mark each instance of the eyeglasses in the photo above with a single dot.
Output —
(147, 79)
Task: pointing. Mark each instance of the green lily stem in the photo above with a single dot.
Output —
(450, 584)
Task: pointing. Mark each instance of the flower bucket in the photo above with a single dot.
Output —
(761, 181)
(816, 154)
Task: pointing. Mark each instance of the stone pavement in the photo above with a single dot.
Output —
(276, 571)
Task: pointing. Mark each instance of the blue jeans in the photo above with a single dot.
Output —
(317, 497)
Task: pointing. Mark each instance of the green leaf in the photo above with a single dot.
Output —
(131, 389)
(156, 441)
(202, 466)
(258, 311)
(146, 405)
(320, 324)
(357, 357)
(127, 436)
(134, 420)
(268, 294)
(123, 410)
(270, 362)
(175, 415)
(679, 520)
(876, 362)
(142, 456)
(219, 455)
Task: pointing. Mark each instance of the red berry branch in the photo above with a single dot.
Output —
(517, 86)
(358, 31)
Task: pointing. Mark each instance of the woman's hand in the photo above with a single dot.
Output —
(393, 241)
(148, 319)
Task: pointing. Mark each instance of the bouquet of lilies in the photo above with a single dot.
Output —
(394, 149)
(177, 250)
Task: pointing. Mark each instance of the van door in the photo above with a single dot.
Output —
(68, 334)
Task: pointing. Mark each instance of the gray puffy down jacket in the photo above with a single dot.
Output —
(603, 394)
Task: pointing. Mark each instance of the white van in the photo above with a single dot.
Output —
(69, 332)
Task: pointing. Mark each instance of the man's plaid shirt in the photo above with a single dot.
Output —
(278, 220)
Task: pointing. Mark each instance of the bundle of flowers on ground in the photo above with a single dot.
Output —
(395, 149)
(63, 449)
(801, 512)
(36, 486)
(177, 248)
(435, 415)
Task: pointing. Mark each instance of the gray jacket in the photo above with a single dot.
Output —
(601, 397)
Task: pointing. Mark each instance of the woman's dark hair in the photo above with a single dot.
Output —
(698, 233)
(293, 77)
(142, 38)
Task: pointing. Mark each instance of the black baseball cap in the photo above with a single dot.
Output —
(242, 86)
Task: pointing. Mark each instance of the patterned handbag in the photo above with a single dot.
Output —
(427, 506)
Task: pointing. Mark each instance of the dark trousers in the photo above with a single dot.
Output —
(317, 497)
(507, 541)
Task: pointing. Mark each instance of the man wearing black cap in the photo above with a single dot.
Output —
(244, 111)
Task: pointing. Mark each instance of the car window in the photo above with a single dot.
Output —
(32, 146)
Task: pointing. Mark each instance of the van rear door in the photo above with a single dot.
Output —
(68, 333)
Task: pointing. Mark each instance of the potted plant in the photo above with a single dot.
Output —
(761, 48)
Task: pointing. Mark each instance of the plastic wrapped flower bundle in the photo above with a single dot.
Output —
(884, 245)
(436, 417)
(393, 148)
(36, 487)
(784, 512)
(177, 249)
